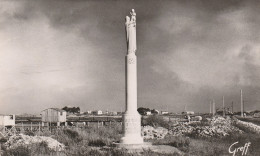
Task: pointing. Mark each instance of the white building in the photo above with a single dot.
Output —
(164, 112)
(54, 116)
(97, 112)
(7, 125)
(148, 113)
(188, 112)
(7, 120)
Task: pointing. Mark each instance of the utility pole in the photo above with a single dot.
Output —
(214, 107)
(210, 107)
(232, 107)
(223, 106)
(242, 105)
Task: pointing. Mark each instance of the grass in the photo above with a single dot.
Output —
(180, 142)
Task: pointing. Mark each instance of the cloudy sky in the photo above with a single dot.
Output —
(72, 52)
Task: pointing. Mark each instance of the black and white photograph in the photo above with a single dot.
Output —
(129, 78)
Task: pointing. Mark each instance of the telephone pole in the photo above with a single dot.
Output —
(223, 106)
(232, 107)
(214, 107)
(242, 105)
(210, 107)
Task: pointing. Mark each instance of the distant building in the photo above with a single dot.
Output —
(7, 120)
(111, 113)
(148, 113)
(164, 112)
(54, 116)
(97, 112)
(114, 113)
(88, 112)
(7, 125)
(188, 112)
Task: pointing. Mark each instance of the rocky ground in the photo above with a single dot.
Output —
(21, 140)
(149, 132)
(216, 126)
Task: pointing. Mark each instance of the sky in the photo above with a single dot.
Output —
(72, 53)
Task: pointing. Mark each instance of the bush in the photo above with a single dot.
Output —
(97, 143)
(18, 151)
(74, 135)
(30, 133)
(3, 140)
(41, 148)
(155, 121)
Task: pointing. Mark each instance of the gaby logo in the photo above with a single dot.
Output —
(233, 150)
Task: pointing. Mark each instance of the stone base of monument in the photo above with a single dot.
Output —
(134, 147)
(137, 148)
(131, 128)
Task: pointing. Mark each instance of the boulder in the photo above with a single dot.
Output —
(149, 132)
(21, 139)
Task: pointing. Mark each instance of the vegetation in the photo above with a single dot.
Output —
(180, 142)
(71, 109)
(98, 141)
(143, 111)
(155, 121)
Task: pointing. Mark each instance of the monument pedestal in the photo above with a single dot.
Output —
(132, 129)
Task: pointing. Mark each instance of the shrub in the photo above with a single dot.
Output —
(41, 148)
(97, 143)
(74, 135)
(155, 121)
(94, 152)
(18, 151)
(30, 133)
(3, 140)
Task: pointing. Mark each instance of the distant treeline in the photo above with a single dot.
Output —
(73, 110)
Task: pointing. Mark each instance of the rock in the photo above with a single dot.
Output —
(218, 126)
(21, 139)
(149, 132)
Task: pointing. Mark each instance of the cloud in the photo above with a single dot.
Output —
(57, 53)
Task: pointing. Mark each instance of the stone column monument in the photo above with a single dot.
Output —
(131, 118)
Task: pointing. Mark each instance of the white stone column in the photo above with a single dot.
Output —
(131, 118)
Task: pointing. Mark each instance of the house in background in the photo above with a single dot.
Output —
(188, 113)
(97, 112)
(53, 116)
(164, 112)
(148, 113)
(7, 120)
(7, 123)
(88, 112)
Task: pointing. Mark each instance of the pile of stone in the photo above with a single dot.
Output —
(149, 132)
(249, 125)
(218, 126)
(21, 140)
(182, 129)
